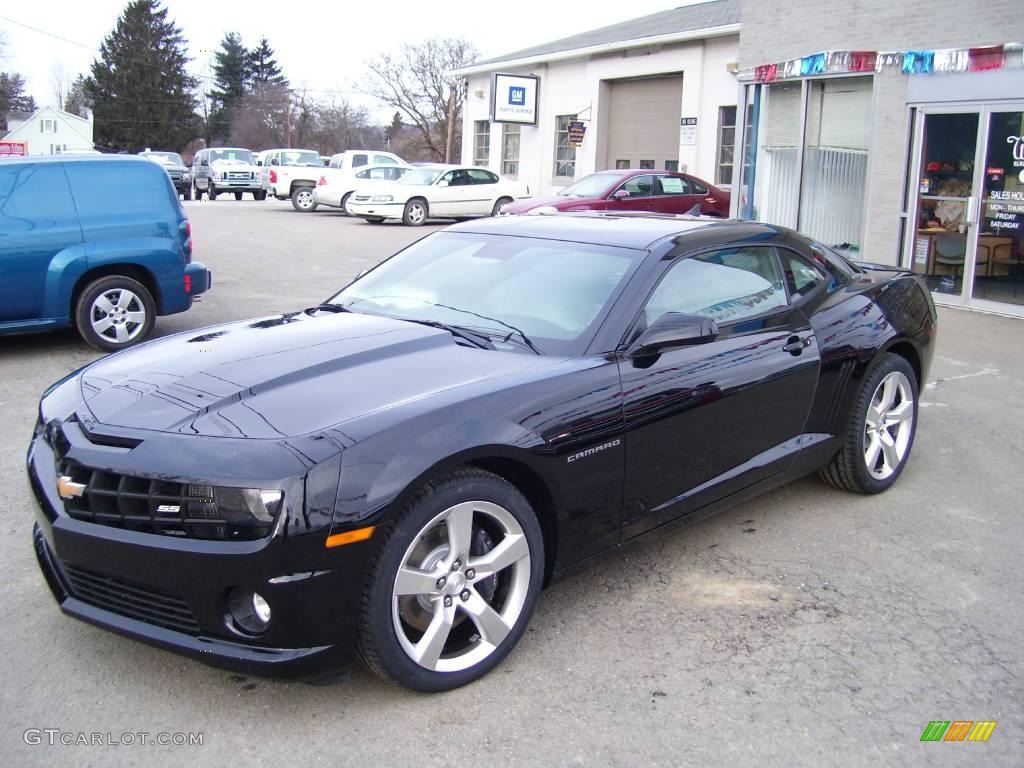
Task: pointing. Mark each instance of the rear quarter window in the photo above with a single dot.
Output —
(121, 189)
(34, 194)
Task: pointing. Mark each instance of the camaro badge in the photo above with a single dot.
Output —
(592, 451)
(68, 488)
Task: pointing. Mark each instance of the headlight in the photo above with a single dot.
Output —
(61, 398)
(186, 176)
(382, 199)
(235, 513)
(216, 175)
(544, 210)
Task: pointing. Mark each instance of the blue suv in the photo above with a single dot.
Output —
(100, 243)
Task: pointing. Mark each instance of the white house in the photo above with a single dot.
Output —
(653, 92)
(50, 131)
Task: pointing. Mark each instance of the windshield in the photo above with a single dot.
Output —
(593, 185)
(232, 156)
(421, 176)
(554, 292)
(301, 157)
(164, 158)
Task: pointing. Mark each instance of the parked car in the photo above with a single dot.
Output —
(98, 243)
(632, 190)
(180, 174)
(335, 186)
(292, 174)
(436, 191)
(226, 169)
(402, 468)
(356, 158)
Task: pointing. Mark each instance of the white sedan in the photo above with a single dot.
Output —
(336, 185)
(436, 191)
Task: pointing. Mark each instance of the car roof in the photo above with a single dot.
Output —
(624, 230)
(75, 159)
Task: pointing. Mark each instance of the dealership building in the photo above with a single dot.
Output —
(890, 130)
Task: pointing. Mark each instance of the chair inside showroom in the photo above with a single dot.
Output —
(950, 251)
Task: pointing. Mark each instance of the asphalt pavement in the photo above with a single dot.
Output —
(809, 627)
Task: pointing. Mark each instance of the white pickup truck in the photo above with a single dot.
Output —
(291, 174)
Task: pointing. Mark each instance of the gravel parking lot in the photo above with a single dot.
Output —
(807, 628)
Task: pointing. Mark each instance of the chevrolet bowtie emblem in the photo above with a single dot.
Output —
(68, 488)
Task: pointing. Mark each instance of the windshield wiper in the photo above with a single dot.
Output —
(327, 307)
(476, 339)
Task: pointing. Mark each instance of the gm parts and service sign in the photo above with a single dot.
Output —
(515, 99)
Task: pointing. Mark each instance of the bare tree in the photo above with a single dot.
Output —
(418, 82)
(60, 81)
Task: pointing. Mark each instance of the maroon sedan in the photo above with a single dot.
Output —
(632, 190)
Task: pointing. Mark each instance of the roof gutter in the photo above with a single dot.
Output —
(621, 45)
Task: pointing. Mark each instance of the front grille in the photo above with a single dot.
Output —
(239, 175)
(154, 506)
(136, 601)
(175, 175)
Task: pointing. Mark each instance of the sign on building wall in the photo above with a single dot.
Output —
(514, 99)
(688, 131)
(577, 130)
(13, 148)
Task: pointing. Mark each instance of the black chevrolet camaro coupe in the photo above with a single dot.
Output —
(401, 469)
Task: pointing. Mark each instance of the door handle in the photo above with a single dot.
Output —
(795, 345)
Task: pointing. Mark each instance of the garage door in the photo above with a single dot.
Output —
(643, 123)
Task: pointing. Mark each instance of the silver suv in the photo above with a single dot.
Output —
(226, 169)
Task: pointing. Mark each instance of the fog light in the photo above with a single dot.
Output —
(248, 611)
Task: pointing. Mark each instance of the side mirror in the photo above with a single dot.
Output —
(205, 163)
(621, 194)
(442, 183)
(671, 331)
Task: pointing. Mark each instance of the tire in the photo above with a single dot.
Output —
(261, 195)
(238, 195)
(125, 319)
(373, 219)
(415, 212)
(498, 203)
(344, 203)
(891, 389)
(211, 191)
(486, 614)
(197, 192)
(302, 200)
(186, 193)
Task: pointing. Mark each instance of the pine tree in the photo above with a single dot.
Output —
(78, 100)
(13, 97)
(143, 96)
(263, 68)
(230, 84)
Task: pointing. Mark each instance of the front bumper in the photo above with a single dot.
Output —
(377, 210)
(171, 592)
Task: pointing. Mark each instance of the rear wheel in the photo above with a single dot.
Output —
(453, 584)
(344, 203)
(114, 312)
(302, 200)
(498, 203)
(415, 213)
(881, 429)
(261, 195)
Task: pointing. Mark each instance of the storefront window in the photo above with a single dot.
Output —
(999, 264)
(778, 133)
(835, 162)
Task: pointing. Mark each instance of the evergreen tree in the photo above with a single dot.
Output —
(13, 97)
(263, 68)
(78, 100)
(230, 72)
(142, 94)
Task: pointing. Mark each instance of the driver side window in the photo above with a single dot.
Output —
(639, 186)
(726, 285)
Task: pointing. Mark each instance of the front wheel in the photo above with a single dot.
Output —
(344, 203)
(211, 192)
(453, 583)
(114, 312)
(238, 195)
(186, 193)
(881, 429)
(415, 213)
(373, 220)
(302, 200)
(197, 192)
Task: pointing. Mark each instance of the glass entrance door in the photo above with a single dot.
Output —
(999, 261)
(942, 246)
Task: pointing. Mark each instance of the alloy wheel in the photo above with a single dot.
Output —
(889, 425)
(461, 586)
(118, 315)
(416, 213)
(304, 198)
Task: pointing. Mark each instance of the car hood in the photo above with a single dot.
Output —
(558, 201)
(284, 375)
(232, 165)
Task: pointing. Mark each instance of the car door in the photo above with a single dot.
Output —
(38, 225)
(484, 190)
(446, 196)
(639, 194)
(673, 194)
(704, 421)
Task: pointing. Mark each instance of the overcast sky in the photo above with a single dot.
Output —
(321, 45)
